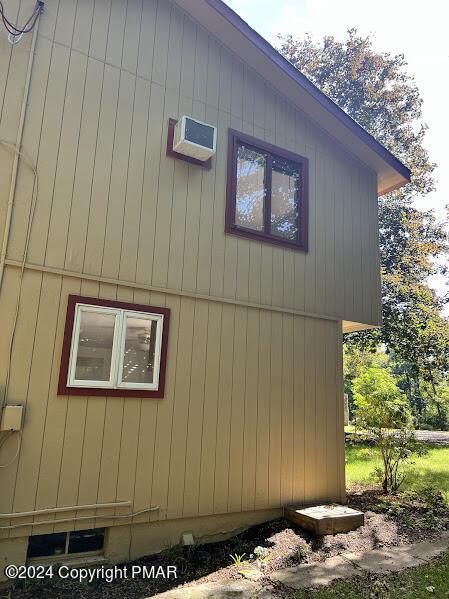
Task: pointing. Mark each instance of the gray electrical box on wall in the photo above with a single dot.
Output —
(11, 418)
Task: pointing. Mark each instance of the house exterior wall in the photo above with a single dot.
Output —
(252, 417)
(104, 84)
(248, 421)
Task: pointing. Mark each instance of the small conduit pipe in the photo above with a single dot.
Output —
(18, 144)
(67, 508)
(78, 518)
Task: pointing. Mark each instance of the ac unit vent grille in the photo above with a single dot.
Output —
(200, 134)
(194, 138)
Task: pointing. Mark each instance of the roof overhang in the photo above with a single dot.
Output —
(352, 327)
(241, 39)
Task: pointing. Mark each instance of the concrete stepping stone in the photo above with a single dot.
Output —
(377, 561)
(325, 519)
(213, 590)
(315, 574)
(394, 559)
(381, 561)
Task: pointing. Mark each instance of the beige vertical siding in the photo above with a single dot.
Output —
(13, 68)
(105, 82)
(252, 414)
(248, 421)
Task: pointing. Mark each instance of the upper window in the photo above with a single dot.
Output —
(113, 348)
(266, 192)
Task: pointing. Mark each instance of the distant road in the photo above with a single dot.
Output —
(433, 436)
(441, 437)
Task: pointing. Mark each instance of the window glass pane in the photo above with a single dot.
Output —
(43, 545)
(93, 361)
(140, 344)
(86, 540)
(284, 199)
(250, 191)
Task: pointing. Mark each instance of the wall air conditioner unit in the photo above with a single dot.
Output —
(194, 138)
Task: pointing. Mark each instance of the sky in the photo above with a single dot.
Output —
(416, 29)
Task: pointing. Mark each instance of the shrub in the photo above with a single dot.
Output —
(383, 410)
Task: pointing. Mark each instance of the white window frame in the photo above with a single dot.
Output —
(118, 346)
(159, 318)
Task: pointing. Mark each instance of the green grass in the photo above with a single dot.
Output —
(413, 583)
(429, 580)
(431, 469)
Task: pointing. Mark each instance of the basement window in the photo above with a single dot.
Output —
(66, 543)
(266, 192)
(113, 349)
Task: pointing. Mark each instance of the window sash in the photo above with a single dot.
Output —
(72, 381)
(268, 191)
(159, 318)
(117, 353)
(272, 153)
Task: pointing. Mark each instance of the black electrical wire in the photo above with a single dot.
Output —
(27, 27)
(15, 31)
(9, 26)
(12, 29)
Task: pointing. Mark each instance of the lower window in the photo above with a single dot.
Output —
(66, 543)
(113, 348)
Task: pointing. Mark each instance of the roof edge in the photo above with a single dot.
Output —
(300, 79)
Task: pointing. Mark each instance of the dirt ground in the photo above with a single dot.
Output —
(388, 522)
(385, 526)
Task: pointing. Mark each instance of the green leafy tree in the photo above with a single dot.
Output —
(442, 399)
(355, 362)
(383, 410)
(435, 414)
(422, 359)
(375, 89)
(429, 402)
(380, 404)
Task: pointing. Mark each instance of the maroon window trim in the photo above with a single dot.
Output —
(234, 139)
(63, 389)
